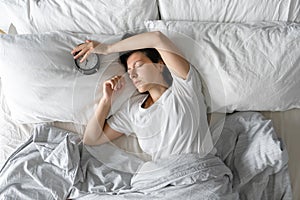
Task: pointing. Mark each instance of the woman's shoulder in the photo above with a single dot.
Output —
(192, 74)
(193, 82)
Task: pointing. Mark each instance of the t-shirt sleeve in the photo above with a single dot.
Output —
(192, 83)
(120, 120)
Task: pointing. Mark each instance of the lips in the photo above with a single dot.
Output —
(136, 83)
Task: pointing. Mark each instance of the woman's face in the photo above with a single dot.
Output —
(143, 72)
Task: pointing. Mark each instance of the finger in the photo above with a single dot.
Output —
(117, 84)
(120, 82)
(109, 84)
(114, 83)
(80, 53)
(77, 48)
(85, 55)
(116, 78)
(113, 79)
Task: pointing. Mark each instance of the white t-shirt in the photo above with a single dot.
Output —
(176, 123)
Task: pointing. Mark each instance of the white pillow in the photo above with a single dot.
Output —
(5, 19)
(244, 66)
(93, 16)
(40, 82)
(230, 10)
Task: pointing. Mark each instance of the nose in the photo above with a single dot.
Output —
(132, 73)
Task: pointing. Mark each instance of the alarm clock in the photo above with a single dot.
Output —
(89, 66)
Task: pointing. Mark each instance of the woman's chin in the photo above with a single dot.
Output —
(141, 89)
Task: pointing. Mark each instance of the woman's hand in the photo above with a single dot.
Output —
(83, 50)
(111, 86)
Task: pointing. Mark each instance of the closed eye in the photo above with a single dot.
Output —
(138, 64)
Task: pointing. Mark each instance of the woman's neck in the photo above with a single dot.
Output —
(155, 93)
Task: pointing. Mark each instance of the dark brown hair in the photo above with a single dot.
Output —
(151, 53)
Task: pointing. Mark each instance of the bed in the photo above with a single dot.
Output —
(247, 53)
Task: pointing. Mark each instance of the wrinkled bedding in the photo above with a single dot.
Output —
(248, 145)
(241, 64)
(230, 10)
(251, 163)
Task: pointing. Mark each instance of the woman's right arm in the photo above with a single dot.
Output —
(97, 130)
(170, 54)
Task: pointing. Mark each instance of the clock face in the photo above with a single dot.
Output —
(90, 65)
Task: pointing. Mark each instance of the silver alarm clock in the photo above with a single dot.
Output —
(90, 66)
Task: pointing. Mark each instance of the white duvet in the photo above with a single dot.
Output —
(248, 146)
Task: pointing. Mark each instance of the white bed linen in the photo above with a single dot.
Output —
(245, 66)
(93, 16)
(14, 134)
(287, 124)
(230, 10)
(43, 85)
(269, 159)
(287, 127)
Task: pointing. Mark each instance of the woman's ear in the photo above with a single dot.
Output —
(161, 62)
(161, 65)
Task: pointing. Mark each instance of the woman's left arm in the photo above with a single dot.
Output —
(170, 54)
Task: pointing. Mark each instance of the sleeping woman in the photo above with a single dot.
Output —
(166, 119)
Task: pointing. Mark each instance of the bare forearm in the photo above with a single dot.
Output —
(94, 129)
(140, 41)
(145, 40)
(170, 54)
